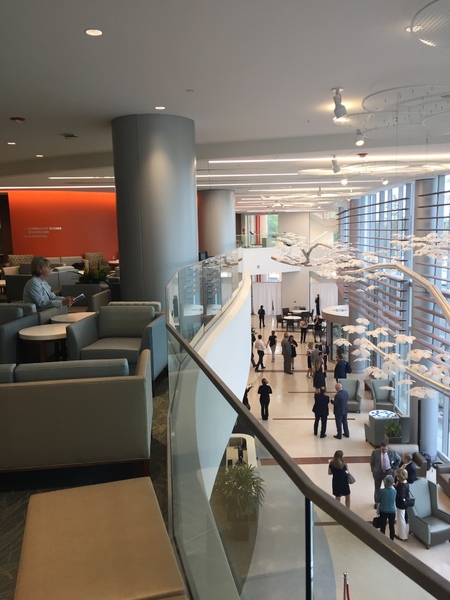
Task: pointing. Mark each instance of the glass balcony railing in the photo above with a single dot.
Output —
(199, 292)
(246, 520)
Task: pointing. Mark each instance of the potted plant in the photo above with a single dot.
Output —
(240, 491)
(94, 276)
(393, 432)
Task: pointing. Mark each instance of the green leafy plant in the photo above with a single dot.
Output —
(393, 429)
(94, 275)
(240, 490)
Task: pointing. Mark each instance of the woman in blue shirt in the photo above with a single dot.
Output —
(37, 290)
(387, 506)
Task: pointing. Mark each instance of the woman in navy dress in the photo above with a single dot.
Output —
(338, 469)
(264, 392)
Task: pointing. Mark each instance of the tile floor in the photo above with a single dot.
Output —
(291, 424)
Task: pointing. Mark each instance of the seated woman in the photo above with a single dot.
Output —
(38, 291)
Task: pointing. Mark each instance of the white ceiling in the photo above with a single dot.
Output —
(254, 75)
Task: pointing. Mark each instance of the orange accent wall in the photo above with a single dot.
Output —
(63, 223)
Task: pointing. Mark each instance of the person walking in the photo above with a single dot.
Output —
(262, 316)
(402, 487)
(287, 354)
(303, 330)
(387, 506)
(264, 392)
(338, 469)
(321, 411)
(382, 462)
(309, 363)
(272, 343)
(294, 347)
(260, 348)
(253, 346)
(318, 374)
(340, 403)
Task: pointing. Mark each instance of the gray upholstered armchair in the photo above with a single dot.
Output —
(427, 521)
(382, 399)
(120, 332)
(354, 399)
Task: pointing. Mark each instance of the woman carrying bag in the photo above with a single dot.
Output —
(402, 487)
(338, 469)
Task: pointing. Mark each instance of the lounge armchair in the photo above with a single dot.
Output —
(354, 399)
(382, 399)
(427, 521)
(443, 477)
(120, 332)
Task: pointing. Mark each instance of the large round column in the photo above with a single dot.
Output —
(423, 265)
(216, 221)
(154, 167)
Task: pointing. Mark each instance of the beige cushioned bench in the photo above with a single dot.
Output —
(99, 542)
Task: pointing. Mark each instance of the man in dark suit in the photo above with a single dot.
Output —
(340, 403)
(409, 466)
(382, 462)
(320, 410)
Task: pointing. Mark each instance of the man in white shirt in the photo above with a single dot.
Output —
(382, 462)
(260, 348)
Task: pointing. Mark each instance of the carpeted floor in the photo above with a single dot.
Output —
(16, 489)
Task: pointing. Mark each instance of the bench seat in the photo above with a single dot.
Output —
(98, 542)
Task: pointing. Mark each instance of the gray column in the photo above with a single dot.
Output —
(428, 407)
(154, 167)
(216, 221)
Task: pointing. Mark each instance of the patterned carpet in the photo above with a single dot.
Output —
(16, 489)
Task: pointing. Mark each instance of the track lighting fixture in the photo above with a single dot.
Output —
(359, 138)
(334, 164)
(384, 181)
(344, 181)
(339, 109)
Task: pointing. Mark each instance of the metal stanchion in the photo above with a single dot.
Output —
(346, 587)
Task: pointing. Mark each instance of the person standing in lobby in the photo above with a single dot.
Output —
(382, 462)
(262, 316)
(260, 348)
(272, 343)
(303, 329)
(409, 466)
(402, 487)
(294, 347)
(387, 506)
(340, 403)
(321, 411)
(317, 303)
(264, 392)
(286, 351)
(37, 290)
(338, 469)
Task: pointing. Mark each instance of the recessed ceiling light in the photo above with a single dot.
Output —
(39, 156)
(11, 143)
(160, 108)
(94, 32)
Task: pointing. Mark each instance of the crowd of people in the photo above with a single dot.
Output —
(392, 474)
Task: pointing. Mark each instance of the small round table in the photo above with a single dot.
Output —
(71, 317)
(383, 414)
(290, 321)
(41, 334)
